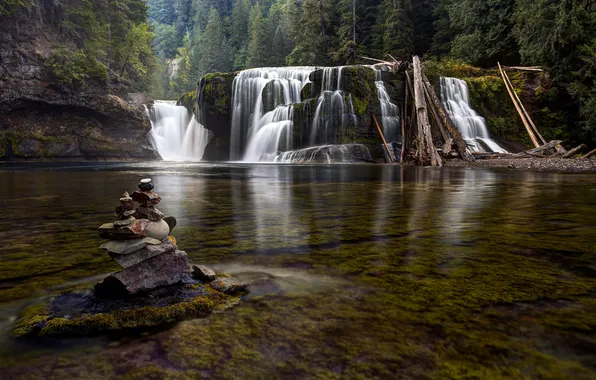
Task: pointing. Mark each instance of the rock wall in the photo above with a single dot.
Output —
(42, 118)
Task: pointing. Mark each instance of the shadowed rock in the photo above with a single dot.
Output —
(146, 198)
(171, 221)
(129, 259)
(150, 213)
(165, 269)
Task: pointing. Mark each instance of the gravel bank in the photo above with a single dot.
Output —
(537, 164)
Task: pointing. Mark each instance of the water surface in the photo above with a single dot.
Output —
(380, 271)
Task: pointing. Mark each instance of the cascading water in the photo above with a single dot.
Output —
(334, 108)
(175, 133)
(389, 111)
(454, 94)
(261, 110)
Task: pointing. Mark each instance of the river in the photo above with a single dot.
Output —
(379, 271)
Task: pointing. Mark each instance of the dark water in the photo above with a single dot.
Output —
(380, 271)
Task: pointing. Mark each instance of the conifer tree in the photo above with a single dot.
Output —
(239, 33)
(256, 55)
(395, 29)
(309, 48)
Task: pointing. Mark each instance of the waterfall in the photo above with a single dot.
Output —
(454, 94)
(175, 133)
(256, 97)
(389, 111)
(334, 109)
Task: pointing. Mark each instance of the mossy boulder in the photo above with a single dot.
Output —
(69, 313)
(214, 99)
(189, 100)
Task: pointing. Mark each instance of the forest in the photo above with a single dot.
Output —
(165, 46)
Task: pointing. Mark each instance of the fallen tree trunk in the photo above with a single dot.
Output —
(427, 153)
(389, 152)
(436, 118)
(524, 68)
(590, 154)
(574, 151)
(460, 143)
(539, 150)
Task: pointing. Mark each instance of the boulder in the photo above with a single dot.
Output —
(127, 246)
(228, 285)
(135, 230)
(203, 273)
(129, 259)
(165, 269)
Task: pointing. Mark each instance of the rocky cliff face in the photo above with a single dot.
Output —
(41, 117)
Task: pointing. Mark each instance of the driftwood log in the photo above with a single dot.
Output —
(427, 153)
(574, 151)
(460, 143)
(389, 152)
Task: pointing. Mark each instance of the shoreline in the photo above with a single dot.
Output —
(561, 165)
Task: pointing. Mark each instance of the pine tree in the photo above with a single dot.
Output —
(348, 47)
(395, 29)
(308, 37)
(484, 31)
(213, 53)
(256, 55)
(441, 43)
(239, 33)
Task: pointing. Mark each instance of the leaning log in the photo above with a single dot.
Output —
(427, 153)
(519, 111)
(590, 154)
(574, 151)
(389, 152)
(435, 114)
(526, 114)
(460, 143)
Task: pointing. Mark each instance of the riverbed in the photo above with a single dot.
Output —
(374, 271)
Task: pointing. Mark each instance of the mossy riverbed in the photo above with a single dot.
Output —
(380, 272)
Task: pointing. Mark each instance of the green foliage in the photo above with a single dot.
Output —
(309, 41)
(75, 67)
(395, 29)
(8, 7)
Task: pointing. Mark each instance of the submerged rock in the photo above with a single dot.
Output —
(83, 313)
(127, 246)
(228, 285)
(164, 269)
(127, 260)
(203, 273)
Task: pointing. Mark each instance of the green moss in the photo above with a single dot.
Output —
(36, 320)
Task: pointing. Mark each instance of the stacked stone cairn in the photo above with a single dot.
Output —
(140, 242)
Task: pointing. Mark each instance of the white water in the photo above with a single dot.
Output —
(334, 109)
(454, 94)
(175, 133)
(254, 128)
(389, 111)
(346, 153)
